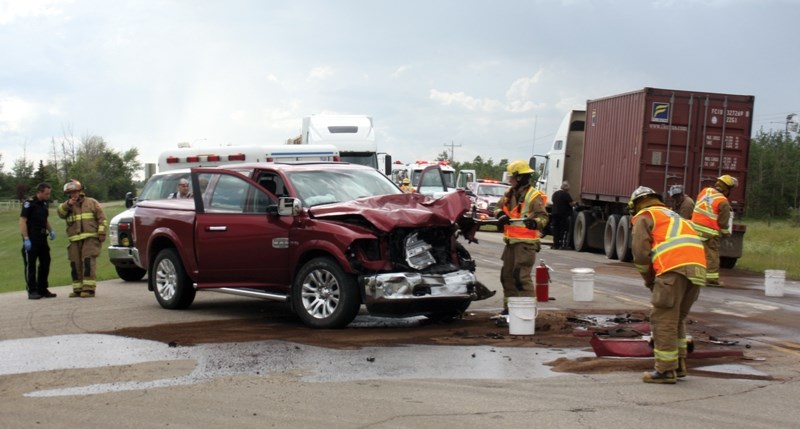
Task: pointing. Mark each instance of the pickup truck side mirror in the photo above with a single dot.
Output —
(288, 206)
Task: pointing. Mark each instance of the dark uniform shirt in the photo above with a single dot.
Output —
(562, 203)
(36, 212)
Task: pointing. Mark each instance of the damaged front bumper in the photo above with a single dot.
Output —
(395, 287)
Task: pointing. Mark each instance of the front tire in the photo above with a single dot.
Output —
(130, 274)
(727, 262)
(324, 296)
(169, 281)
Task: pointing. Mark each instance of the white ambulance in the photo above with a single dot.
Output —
(188, 157)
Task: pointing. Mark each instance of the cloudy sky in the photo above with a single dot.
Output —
(494, 78)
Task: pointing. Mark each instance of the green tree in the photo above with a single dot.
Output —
(773, 178)
(22, 173)
(105, 173)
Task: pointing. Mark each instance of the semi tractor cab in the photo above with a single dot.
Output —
(352, 135)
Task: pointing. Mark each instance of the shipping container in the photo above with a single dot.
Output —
(659, 137)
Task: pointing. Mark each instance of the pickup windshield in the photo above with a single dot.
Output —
(324, 187)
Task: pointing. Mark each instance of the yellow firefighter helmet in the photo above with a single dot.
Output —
(519, 167)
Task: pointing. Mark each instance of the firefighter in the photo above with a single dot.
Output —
(682, 204)
(86, 231)
(521, 212)
(35, 228)
(669, 255)
(406, 186)
(711, 215)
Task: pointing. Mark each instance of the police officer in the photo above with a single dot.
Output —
(712, 213)
(35, 229)
(86, 230)
(669, 255)
(521, 212)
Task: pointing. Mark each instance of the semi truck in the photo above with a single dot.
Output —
(650, 137)
(353, 136)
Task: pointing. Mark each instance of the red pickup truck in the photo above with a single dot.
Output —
(326, 237)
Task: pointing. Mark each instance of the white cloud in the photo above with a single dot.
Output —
(11, 10)
(321, 73)
(15, 114)
(399, 71)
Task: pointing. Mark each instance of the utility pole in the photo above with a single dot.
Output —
(452, 145)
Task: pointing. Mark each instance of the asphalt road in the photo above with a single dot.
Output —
(57, 371)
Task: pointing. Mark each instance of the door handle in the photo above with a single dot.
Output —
(216, 228)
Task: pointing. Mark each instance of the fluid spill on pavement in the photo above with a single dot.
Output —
(260, 358)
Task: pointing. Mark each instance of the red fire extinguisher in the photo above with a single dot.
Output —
(542, 283)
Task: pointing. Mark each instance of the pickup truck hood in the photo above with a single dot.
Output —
(387, 212)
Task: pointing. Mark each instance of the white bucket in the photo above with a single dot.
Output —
(773, 282)
(521, 315)
(582, 284)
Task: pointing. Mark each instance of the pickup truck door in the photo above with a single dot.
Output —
(239, 238)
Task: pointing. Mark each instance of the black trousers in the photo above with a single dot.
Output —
(560, 228)
(36, 274)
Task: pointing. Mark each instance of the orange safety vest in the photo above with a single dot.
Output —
(706, 211)
(675, 242)
(515, 230)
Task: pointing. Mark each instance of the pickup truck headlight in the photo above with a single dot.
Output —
(482, 204)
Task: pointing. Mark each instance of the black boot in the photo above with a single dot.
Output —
(47, 294)
(34, 295)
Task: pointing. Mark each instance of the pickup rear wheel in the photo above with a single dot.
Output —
(169, 281)
(324, 296)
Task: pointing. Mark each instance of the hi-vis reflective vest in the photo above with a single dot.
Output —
(706, 211)
(516, 231)
(675, 243)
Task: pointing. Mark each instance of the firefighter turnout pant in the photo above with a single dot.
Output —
(673, 296)
(83, 264)
(711, 247)
(515, 276)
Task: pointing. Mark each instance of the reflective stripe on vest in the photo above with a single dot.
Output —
(80, 216)
(516, 231)
(706, 211)
(675, 242)
(82, 236)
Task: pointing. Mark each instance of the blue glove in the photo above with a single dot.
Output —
(52, 235)
(27, 244)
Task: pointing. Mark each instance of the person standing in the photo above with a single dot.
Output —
(711, 215)
(562, 214)
(35, 228)
(183, 191)
(406, 186)
(86, 230)
(521, 212)
(670, 257)
(681, 203)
